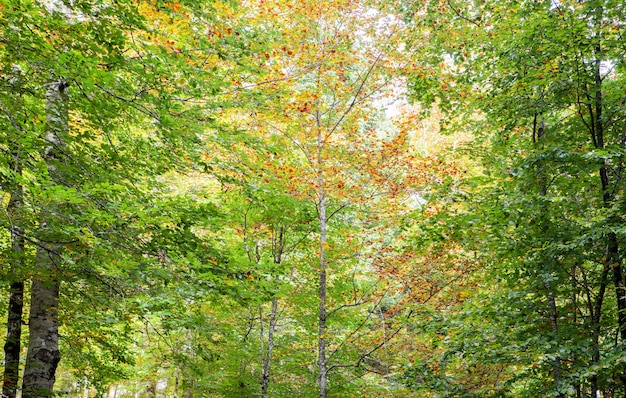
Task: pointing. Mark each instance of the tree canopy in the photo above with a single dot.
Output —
(269, 198)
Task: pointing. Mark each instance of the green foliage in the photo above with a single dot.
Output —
(205, 138)
(536, 84)
(126, 238)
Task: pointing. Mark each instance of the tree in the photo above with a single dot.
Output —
(15, 218)
(320, 104)
(84, 185)
(43, 345)
(537, 82)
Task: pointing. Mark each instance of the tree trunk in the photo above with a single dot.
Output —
(553, 316)
(267, 358)
(608, 195)
(43, 346)
(278, 246)
(538, 133)
(322, 326)
(14, 210)
(595, 310)
(12, 347)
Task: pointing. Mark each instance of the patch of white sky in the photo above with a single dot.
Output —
(69, 9)
(393, 97)
(65, 8)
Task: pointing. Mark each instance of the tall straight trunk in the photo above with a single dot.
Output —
(43, 353)
(267, 358)
(12, 346)
(278, 246)
(15, 212)
(322, 219)
(322, 326)
(595, 310)
(612, 256)
(43, 345)
(553, 316)
(538, 132)
(618, 281)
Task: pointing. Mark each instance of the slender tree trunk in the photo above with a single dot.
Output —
(596, 316)
(553, 316)
(278, 246)
(322, 327)
(612, 256)
(612, 252)
(538, 133)
(12, 347)
(322, 219)
(43, 353)
(574, 305)
(267, 358)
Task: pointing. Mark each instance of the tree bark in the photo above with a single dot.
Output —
(267, 358)
(14, 210)
(612, 256)
(12, 346)
(595, 310)
(278, 245)
(43, 353)
(553, 316)
(322, 326)
(538, 134)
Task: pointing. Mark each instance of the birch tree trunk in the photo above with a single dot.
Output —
(267, 357)
(43, 353)
(322, 326)
(278, 245)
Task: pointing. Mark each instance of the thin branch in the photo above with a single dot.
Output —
(132, 103)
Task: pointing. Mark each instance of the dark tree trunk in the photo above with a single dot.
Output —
(613, 259)
(12, 346)
(595, 310)
(544, 222)
(14, 210)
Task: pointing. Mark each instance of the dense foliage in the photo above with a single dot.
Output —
(313, 199)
